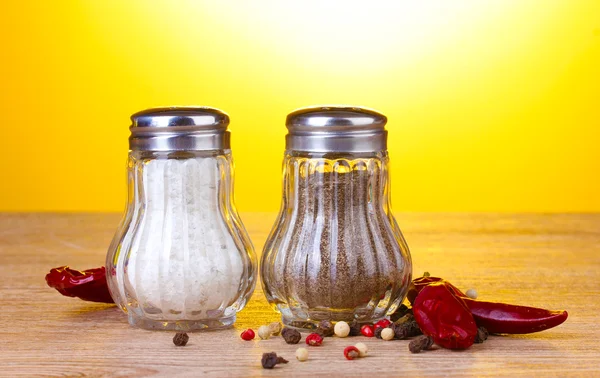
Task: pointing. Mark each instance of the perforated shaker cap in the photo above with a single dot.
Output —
(178, 128)
(336, 129)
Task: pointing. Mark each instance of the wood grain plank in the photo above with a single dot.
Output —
(541, 260)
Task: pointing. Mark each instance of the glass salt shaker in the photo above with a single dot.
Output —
(181, 258)
(335, 252)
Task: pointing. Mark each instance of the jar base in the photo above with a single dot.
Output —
(310, 325)
(181, 325)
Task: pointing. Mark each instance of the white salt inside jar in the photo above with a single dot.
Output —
(186, 261)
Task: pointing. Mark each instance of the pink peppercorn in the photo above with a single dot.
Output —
(367, 330)
(314, 339)
(383, 323)
(351, 352)
(247, 334)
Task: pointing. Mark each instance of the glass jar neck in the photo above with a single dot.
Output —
(383, 154)
(140, 154)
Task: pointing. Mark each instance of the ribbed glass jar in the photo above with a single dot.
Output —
(336, 251)
(181, 258)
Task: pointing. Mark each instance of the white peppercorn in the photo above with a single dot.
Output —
(264, 332)
(387, 334)
(302, 354)
(471, 293)
(362, 349)
(341, 329)
(275, 328)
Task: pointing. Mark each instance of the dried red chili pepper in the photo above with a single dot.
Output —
(89, 285)
(513, 319)
(444, 316)
(419, 283)
(498, 317)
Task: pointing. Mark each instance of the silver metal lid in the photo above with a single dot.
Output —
(336, 129)
(174, 128)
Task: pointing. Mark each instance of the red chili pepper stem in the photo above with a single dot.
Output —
(419, 283)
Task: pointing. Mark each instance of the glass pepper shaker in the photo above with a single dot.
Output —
(181, 258)
(335, 252)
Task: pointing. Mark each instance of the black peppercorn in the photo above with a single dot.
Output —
(406, 329)
(420, 343)
(180, 339)
(269, 360)
(482, 335)
(325, 328)
(400, 312)
(291, 336)
(405, 318)
(377, 332)
(355, 328)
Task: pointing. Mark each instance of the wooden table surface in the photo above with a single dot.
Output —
(550, 261)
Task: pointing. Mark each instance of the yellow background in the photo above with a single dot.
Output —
(493, 105)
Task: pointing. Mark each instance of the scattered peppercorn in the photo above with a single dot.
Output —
(387, 334)
(406, 329)
(302, 354)
(341, 329)
(426, 274)
(351, 352)
(291, 336)
(471, 293)
(325, 328)
(180, 339)
(275, 328)
(264, 332)
(314, 339)
(367, 330)
(247, 334)
(362, 349)
(355, 327)
(406, 318)
(420, 343)
(377, 333)
(482, 335)
(383, 323)
(269, 360)
(400, 312)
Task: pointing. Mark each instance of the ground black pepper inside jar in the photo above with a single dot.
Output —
(336, 252)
